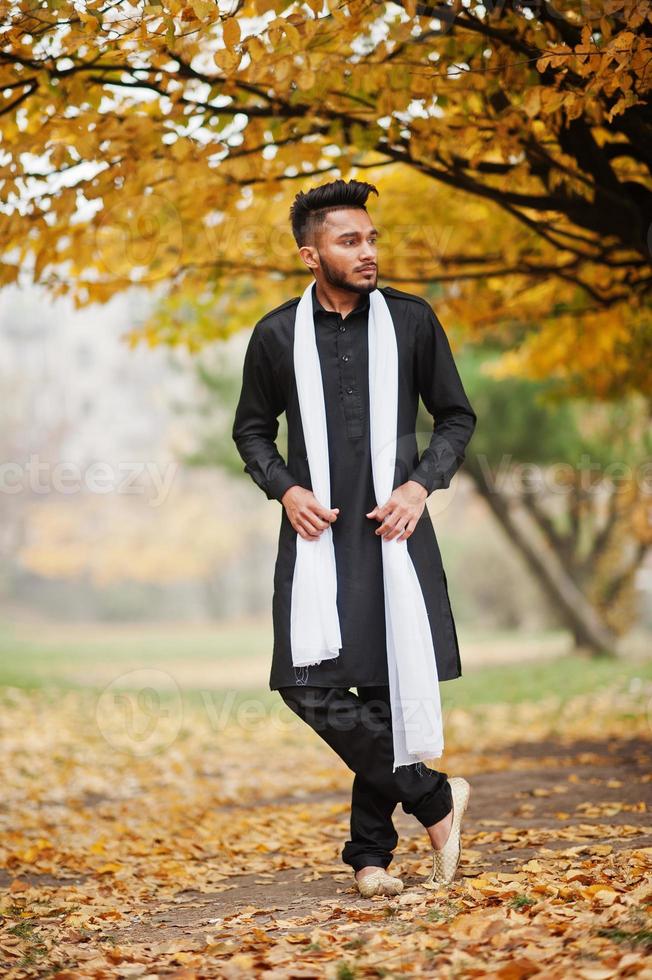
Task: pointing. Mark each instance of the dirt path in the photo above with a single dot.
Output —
(552, 798)
(503, 805)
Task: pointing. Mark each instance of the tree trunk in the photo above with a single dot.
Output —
(576, 611)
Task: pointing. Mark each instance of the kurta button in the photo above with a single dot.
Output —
(345, 357)
(349, 391)
(342, 328)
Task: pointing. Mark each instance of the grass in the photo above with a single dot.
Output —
(522, 901)
(565, 676)
(122, 641)
(641, 937)
(38, 656)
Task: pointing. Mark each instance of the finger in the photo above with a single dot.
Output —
(313, 524)
(300, 529)
(409, 527)
(317, 515)
(394, 531)
(397, 525)
(313, 529)
(309, 537)
(390, 523)
(326, 513)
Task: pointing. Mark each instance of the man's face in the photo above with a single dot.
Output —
(345, 254)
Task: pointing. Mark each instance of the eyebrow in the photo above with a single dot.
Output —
(349, 234)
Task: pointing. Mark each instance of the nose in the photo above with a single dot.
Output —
(368, 254)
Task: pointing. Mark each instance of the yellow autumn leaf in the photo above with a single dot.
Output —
(231, 31)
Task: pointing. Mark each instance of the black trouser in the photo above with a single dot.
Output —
(359, 728)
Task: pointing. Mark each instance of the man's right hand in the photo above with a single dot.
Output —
(306, 514)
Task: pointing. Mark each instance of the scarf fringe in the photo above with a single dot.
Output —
(300, 676)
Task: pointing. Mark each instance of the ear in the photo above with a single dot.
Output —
(309, 256)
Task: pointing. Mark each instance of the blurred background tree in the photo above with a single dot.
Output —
(161, 145)
(566, 480)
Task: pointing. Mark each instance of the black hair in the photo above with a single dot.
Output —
(309, 209)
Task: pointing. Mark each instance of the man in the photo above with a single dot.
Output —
(337, 241)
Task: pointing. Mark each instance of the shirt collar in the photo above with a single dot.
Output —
(317, 307)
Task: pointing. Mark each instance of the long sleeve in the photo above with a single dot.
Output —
(255, 425)
(443, 395)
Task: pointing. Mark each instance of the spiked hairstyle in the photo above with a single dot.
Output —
(309, 209)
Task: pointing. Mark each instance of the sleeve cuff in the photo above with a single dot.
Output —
(280, 484)
(430, 477)
(420, 478)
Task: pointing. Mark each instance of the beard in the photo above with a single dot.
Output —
(341, 281)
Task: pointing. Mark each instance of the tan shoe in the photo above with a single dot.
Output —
(446, 859)
(379, 882)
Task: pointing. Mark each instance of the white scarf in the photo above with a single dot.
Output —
(315, 626)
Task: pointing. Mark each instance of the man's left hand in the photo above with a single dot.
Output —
(400, 514)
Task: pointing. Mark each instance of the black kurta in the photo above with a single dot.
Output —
(426, 368)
